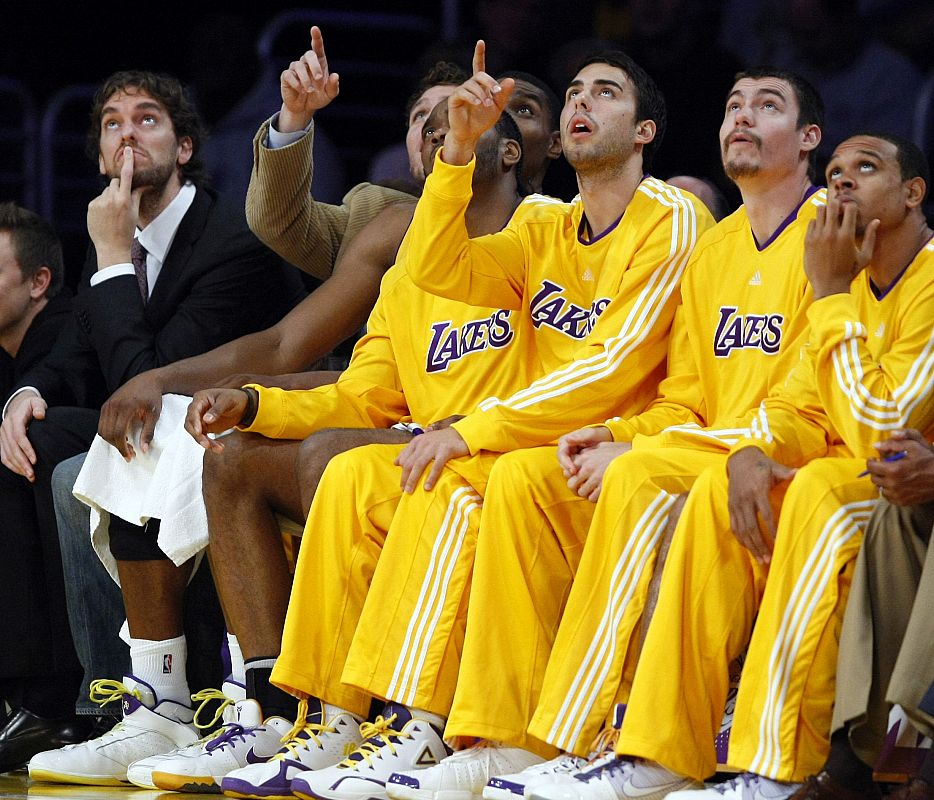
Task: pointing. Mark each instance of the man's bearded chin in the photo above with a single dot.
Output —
(150, 177)
(740, 169)
(154, 177)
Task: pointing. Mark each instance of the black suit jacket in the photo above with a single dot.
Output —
(36, 344)
(218, 282)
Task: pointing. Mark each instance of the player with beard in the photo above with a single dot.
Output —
(173, 271)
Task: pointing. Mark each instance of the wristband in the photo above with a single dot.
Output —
(252, 406)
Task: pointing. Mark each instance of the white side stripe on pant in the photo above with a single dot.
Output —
(594, 668)
(428, 607)
(818, 573)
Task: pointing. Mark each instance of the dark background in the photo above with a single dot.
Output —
(691, 47)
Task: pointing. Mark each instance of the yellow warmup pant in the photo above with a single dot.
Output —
(711, 593)
(597, 645)
(344, 536)
(532, 531)
(409, 638)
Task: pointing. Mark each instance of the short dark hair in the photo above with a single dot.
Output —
(508, 128)
(35, 244)
(553, 104)
(810, 103)
(912, 163)
(650, 102)
(443, 73)
(169, 92)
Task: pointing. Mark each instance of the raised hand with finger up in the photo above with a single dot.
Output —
(473, 109)
(306, 86)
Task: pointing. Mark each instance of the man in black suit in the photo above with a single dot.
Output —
(173, 271)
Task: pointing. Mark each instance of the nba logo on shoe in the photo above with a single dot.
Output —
(167, 664)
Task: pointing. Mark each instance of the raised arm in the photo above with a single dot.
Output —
(279, 207)
(867, 396)
(445, 261)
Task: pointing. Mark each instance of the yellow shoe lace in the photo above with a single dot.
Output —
(376, 735)
(300, 734)
(204, 697)
(606, 740)
(104, 690)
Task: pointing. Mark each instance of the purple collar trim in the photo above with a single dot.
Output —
(585, 226)
(787, 221)
(880, 293)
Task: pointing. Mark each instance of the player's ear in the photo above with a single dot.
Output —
(185, 151)
(41, 280)
(645, 131)
(810, 137)
(554, 147)
(511, 153)
(915, 190)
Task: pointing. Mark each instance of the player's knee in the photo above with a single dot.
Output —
(816, 480)
(226, 471)
(518, 470)
(321, 446)
(632, 466)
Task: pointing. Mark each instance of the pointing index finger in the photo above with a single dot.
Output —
(317, 44)
(126, 169)
(479, 57)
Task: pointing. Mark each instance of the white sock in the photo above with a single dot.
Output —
(237, 669)
(162, 666)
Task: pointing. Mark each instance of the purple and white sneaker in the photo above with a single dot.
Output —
(248, 740)
(312, 743)
(394, 742)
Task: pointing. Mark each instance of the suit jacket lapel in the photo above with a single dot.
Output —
(188, 233)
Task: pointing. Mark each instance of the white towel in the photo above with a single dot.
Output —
(163, 484)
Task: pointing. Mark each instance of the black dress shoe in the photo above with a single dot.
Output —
(26, 734)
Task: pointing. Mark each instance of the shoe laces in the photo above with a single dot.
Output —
(603, 744)
(103, 690)
(376, 735)
(228, 734)
(611, 770)
(203, 698)
(301, 733)
(567, 762)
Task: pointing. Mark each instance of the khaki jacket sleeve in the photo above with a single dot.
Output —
(283, 214)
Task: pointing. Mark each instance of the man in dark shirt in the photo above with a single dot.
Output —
(33, 304)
